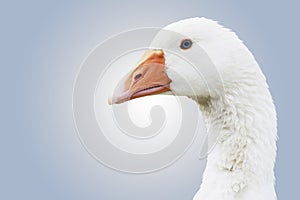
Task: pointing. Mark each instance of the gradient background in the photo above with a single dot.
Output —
(42, 47)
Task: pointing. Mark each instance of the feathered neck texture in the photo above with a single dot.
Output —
(241, 123)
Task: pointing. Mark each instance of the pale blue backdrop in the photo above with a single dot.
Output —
(42, 45)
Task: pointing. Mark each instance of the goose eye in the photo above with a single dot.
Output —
(186, 44)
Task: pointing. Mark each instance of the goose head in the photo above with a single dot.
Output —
(191, 57)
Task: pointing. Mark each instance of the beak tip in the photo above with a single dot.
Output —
(110, 101)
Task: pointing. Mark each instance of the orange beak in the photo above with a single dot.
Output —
(148, 78)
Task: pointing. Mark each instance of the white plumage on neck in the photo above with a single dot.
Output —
(241, 163)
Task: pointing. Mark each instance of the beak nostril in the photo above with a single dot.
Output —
(138, 76)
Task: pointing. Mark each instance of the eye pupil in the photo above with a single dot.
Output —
(186, 44)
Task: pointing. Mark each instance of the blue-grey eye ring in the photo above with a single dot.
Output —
(186, 44)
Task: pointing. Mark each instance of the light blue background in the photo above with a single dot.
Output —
(42, 45)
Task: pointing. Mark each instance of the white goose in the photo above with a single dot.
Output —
(240, 107)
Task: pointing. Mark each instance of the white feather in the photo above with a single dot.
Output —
(239, 108)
